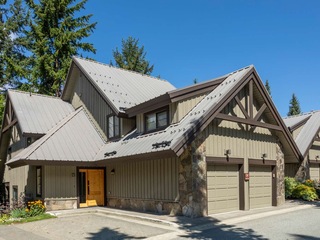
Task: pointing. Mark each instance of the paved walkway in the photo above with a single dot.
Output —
(106, 223)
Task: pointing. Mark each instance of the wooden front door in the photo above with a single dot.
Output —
(91, 187)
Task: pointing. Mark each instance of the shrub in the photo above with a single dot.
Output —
(19, 213)
(36, 208)
(305, 192)
(4, 218)
(309, 183)
(290, 184)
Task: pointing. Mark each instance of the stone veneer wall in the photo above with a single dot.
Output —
(60, 204)
(280, 174)
(193, 180)
(303, 172)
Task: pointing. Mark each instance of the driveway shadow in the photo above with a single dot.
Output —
(107, 233)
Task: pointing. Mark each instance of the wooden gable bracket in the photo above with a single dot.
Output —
(10, 119)
(249, 119)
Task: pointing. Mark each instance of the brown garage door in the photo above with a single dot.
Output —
(223, 188)
(314, 171)
(260, 186)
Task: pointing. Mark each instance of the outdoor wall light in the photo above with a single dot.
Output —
(317, 157)
(264, 155)
(112, 172)
(227, 152)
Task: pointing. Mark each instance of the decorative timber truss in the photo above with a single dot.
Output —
(9, 119)
(252, 117)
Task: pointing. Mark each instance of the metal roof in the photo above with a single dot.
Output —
(134, 143)
(74, 139)
(36, 113)
(309, 130)
(294, 120)
(123, 88)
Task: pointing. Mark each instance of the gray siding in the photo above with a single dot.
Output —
(86, 95)
(59, 182)
(152, 179)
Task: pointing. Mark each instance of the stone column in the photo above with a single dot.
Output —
(280, 174)
(193, 180)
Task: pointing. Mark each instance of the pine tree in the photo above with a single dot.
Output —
(13, 21)
(132, 57)
(294, 107)
(268, 87)
(56, 34)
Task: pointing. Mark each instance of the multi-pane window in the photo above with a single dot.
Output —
(156, 120)
(15, 193)
(39, 181)
(113, 126)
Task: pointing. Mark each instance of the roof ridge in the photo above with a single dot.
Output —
(93, 125)
(31, 94)
(301, 114)
(108, 65)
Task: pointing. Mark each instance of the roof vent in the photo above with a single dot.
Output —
(161, 144)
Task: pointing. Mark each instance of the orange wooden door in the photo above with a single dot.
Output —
(95, 192)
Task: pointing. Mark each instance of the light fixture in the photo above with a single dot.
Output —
(317, 157)
(264, 155)
(112, 172)
(227, 152)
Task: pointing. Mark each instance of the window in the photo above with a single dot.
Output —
(29, 141)
(113, 126)
(156, 120)
(15, 193)
(39, 181)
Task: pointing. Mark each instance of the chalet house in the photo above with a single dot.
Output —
(305, 131)
(120, 139)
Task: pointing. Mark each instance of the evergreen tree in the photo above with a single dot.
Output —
(268, 87)
(13, 21)
(56, 34)
(132, 57)
(294, 107)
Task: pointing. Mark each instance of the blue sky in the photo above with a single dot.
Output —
(205, 39)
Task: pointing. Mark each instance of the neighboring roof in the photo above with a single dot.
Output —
(296, 120)
(36, 113)
(310, 129)
(74, 139)
(121, 88)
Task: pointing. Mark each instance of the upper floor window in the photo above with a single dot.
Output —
(113, 126)
(156, 120)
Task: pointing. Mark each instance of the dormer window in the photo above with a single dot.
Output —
(156, 120)
(113, 126)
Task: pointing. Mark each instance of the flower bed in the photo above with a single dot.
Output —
(308, 190)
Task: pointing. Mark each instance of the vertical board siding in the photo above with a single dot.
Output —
(180, 109)
(296, 132)
(59, 182)
(240, 138)
(314, 151)
(86, 94)
(24, 177)
(152, 179)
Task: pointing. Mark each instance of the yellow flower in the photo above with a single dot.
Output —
(27, 210)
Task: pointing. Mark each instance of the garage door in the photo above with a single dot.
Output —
(314, 171)
(260, 186)
(223, 188)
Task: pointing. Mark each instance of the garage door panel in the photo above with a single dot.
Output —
(223, 188)
(260, 186)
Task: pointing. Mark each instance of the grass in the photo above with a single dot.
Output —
(29, 219)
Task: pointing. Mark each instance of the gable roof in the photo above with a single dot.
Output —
(74, 139)
(175, 137)
(120, 88)
(310, 123)
(171, 141)
(36, 113)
